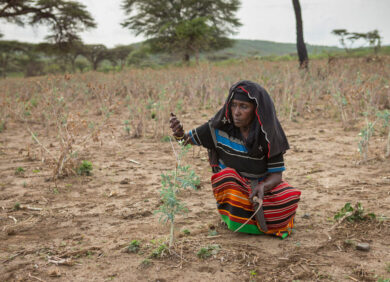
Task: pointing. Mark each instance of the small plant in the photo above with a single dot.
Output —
(127, 127)
(19, 170)
(186, 232)
(134, 246)
(2, 126)
(208, 251)
(385, 117)
(365, 135)
(353, 213)
(252, 274)
(165, 138)
(172, 181)
(84, 168)
(158, 252)
(16, 206)
(213, 232)
(145, 263)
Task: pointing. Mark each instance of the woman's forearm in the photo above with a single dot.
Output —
(272, 180)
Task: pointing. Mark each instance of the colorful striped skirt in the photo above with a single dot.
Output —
(232, 194)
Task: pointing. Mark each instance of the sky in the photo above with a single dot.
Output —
(272, 20)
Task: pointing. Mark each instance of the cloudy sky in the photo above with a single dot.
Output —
(272, 20)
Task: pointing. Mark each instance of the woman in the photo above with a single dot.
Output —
(246, 144)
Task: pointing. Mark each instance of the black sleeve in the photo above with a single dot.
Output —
(201, 136)
(276, 163)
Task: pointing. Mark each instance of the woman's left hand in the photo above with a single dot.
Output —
(258, 191)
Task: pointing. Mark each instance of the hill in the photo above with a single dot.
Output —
(246, 48)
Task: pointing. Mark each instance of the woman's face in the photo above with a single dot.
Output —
(242, 113)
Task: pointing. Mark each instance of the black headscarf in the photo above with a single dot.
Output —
(265, 131)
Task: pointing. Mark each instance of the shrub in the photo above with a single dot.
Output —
(84, 168)
(134, 246)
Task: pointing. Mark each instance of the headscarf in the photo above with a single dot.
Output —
(265, 125)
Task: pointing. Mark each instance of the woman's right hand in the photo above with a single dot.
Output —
(177, 128)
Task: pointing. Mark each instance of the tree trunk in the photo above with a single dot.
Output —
(186, 58)
(301, 47)
(95, 65)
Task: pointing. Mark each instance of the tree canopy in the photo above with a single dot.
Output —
(372, 38)
(183, 26)
(64, 18)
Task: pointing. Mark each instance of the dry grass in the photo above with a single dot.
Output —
(348, 90)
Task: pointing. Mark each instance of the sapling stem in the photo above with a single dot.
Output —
(388, 145)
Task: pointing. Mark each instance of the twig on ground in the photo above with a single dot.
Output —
(14, 256)
(340, 221)
(14, 219)
(62, 261)
(30, 208)
(133, 161)
(39, 279)
(212, 237)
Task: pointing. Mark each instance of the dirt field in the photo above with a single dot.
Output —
(79, 228)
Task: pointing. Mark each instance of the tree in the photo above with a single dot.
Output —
(66, 53)
(372, 38)
(64, 18)
(9, 53)
(95, 54)
(183, 27)
(343, 33)
(119, 54)
(301, 47)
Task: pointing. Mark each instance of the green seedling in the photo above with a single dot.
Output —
(365, 136)
(2, 126)
(159, 251)
(385, 117)
(252, 275)
(165, 138)
(16, 206)
(208, 251)
(352, 214)
(186, 232)
(145, 263)
(172, 182)
(19, 170)
(134, 246)
(213, 232)
(127, 127)
(84, 168)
